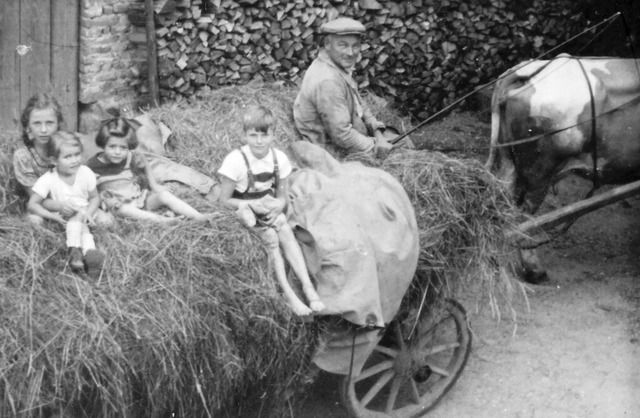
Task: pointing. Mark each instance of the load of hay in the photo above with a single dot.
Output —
(187, 319)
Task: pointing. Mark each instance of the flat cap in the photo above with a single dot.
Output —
(342, 26)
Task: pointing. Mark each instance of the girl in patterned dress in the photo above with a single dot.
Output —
(125, 183)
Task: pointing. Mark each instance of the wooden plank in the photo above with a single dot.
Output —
(65, 40)
(9, 64)
(35, 31)
(152, 54)
(575, 210)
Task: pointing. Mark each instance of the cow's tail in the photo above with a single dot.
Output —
(505, 82)
(499, 161)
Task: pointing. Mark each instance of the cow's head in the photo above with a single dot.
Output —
(534, 163)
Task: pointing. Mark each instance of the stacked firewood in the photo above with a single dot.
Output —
(424, 53)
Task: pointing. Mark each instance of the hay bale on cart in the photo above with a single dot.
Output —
(188, 319)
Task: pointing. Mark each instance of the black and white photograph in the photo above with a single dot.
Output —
(319, 208)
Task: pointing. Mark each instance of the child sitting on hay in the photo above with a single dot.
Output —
(73, 185)
(125, 182)
(253, 181)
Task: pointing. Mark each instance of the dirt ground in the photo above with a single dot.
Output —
(573, 352)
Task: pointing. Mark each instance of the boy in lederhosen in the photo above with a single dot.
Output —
(253, 181)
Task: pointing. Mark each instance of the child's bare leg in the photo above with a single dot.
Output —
(177, 205)
(294, 256)
(292, 299)
(132, 212)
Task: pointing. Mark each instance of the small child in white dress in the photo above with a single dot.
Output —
(72, 185)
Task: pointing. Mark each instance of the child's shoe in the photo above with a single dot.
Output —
(94, 261)
(75, 258)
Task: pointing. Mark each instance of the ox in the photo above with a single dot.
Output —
(562, 116)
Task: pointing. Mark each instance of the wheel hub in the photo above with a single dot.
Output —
(407, 362)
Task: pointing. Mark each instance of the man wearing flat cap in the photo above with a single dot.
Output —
(328, 110)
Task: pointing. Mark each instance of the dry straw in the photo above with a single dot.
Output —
(9, 141)
(187, 319)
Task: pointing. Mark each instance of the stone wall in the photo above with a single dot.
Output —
(112, 55)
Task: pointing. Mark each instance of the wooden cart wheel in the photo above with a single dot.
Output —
(413, 367)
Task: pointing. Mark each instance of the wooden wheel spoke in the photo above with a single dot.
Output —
(380, 367)
(415, 394)
(438, 370)
(399, 338)
(382, 381)
(387, 351)
(393, 394)
(440, 348)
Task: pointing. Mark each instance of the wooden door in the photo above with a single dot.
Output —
(39, 44)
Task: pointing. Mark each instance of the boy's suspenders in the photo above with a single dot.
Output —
(262, 177)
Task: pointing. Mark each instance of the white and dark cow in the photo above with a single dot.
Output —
(552, 102)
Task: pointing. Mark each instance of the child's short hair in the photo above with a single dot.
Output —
(60, 139)
(259, 118)
(39, 101)
(120, 128)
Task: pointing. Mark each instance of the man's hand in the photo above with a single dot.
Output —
(383, 147)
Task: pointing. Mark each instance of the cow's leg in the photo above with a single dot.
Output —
(530, 268)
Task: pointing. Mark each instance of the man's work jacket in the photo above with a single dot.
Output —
(329, 111)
